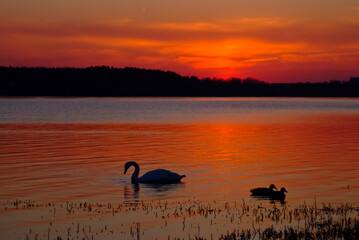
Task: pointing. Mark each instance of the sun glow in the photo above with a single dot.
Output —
(270, 47)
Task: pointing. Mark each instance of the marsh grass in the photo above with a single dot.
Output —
(340, 222)
(177, 220)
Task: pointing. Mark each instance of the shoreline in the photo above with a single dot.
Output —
(176, 220)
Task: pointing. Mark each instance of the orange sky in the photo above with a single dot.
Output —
(274, 41)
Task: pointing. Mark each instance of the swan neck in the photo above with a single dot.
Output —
(134, 178)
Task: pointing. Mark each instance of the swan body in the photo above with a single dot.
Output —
(159, 176)
(262, 191)
(278, 195)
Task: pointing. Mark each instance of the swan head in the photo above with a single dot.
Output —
(129, 164)
(272, 186)
(283, 190)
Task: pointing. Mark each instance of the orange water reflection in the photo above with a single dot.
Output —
(314, 156)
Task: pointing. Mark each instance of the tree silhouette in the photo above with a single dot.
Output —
(106, 81)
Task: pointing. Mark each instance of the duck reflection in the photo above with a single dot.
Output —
(281, 201)
(271, 200)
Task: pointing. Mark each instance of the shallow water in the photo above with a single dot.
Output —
(54, 149)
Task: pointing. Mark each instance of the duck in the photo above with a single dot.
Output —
(262, 191)
(158, 176)
(278, 195)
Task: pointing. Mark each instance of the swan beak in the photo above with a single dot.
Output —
(285, 190)
(125, 171)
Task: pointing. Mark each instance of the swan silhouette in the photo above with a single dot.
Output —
(262, 191)
(159, 176)
(278, 195)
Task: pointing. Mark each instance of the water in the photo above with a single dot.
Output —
(65, 151)
(54, 149)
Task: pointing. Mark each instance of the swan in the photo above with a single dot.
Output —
(159, 176)
(278, 195)
(262, 191)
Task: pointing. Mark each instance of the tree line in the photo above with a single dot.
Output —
(125, 82)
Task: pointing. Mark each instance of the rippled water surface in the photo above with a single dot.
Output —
(54, 149)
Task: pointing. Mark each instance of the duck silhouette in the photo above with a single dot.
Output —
(262, 191)
(159, 176)
(278, 195)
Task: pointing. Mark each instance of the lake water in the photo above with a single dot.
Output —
(65, 149)
(71, 150)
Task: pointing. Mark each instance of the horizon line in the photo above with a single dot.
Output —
(190, 76)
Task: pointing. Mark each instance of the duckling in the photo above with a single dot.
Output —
(262, 191)
(278, 195)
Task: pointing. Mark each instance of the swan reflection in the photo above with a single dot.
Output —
(136, 191)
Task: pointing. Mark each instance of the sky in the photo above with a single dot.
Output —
(269, 40)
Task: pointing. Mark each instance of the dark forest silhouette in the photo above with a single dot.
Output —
(120, 82)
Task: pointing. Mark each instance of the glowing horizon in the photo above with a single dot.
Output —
(272, 42)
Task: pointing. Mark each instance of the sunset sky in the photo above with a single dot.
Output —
(270, 40)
